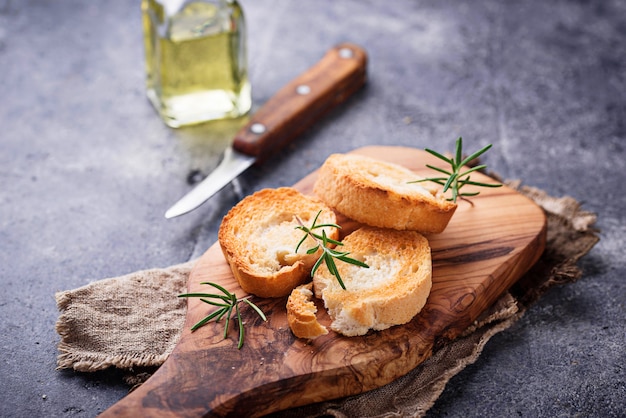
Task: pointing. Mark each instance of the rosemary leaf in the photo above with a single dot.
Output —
(441, 170)
(473, 169)
(241, 331)
(468, 194)
(207, 319)
(474, 155)
(256, 308)
(226, 303)
(459, 153)
(327, 240)
(330, 264)
(475, 183)
(332, 268)
(439, 180)
(327, 225)
(328, 255)
(217, 286)
(352, 261)
(456, 179)
(203, 295)
(317, 264)
(224, 312)
(449, 182)
(301, 242)
(228, 314)
(440, 156)
(312, 250)
(210, 302)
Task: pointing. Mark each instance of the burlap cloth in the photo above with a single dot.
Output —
(133, 322)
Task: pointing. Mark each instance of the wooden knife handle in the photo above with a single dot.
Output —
(340, 73)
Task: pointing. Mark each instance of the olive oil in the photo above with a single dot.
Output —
(196, 64)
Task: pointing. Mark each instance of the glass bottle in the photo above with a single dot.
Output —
(196, 60)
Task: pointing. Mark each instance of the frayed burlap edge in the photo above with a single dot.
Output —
(126, 322)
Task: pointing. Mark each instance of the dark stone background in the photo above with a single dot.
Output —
(87, 169)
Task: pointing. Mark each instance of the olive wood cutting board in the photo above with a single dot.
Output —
(487, 246)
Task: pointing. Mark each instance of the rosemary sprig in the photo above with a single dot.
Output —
(226, 303)
(455, 179)
(328, 255)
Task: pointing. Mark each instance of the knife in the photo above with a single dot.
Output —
(294, 108)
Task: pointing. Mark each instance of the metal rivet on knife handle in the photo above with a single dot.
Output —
(303, 89)
(346, 53)
(257, 128)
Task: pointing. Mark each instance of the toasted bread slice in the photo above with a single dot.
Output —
(301, 313)
(258, 238)
(390, 292)
(378, 193)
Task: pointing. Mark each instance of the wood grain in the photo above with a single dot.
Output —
(340, 73)
(484, 250)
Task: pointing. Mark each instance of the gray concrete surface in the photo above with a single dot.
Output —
(87, 169)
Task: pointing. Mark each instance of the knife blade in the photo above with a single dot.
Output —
(294, 108)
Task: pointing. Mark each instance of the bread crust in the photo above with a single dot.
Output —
(378, 193)
(390, 292)
(301, 313)
(258, 237)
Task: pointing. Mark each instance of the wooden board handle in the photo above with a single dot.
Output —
(303, 101)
